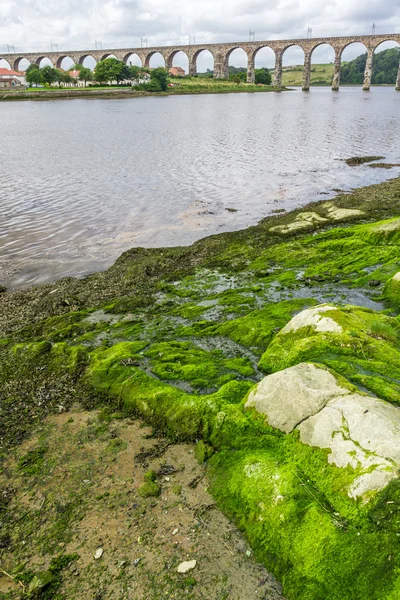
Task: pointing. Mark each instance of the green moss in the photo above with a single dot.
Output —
(203, 452)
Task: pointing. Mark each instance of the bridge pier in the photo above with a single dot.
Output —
(221, 68)
(192, 66)
(307, 72)
(278, 70)
(336, 72)
(368, 70)
(251, 77)
(398, 80)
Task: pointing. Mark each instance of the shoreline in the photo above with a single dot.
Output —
(180, 337)
(118, 93)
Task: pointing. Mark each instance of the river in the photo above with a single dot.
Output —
(83, 180)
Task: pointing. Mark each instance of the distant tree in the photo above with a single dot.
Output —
(34, 75)
(160, 76)
(135, 73)
(85, 74)
(49, 74)
(263, 76)
(108, 70)
(125, 74)
(236, 79)
(60, 77)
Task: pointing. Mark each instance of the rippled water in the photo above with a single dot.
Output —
(83, 180)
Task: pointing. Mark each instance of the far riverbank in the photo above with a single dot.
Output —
(122, 92)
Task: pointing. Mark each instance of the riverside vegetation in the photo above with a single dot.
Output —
(182, 337)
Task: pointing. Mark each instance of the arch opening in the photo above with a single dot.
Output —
(292, 66)
(4, 64)
(154, 60)
(133, 60)
(87, 60)
(203, 62)
(264, 65)
(108, 55)
(236, 64)
(354, 60)
(322, 65)
(386, 65)
(65, 63)
(44, 61)
(21, 64)
(179, 63)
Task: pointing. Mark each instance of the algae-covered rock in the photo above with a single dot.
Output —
(304, 220)
(362, 345)
(288, 397)
(385, 232)
(361, 432)
(392, 290)
(314, 317)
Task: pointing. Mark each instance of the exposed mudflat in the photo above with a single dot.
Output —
(81, 494)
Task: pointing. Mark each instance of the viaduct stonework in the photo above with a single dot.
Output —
(221, 53)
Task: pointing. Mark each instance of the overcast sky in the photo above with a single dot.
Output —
(74, 24)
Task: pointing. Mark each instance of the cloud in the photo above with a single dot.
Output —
(35, 24)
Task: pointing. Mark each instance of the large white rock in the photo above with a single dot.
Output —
(396, 277)
(359, 431)
(288, 397)
(314, 317)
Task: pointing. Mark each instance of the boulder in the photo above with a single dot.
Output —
(360, 344)
(288, 397)
(359, 431)
(304, 220)
(392, 290)
(314, 317)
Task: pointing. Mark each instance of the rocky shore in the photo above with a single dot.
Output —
(275, 350)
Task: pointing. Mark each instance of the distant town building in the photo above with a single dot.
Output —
(10, 78)
(177, 72)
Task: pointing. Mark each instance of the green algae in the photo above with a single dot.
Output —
(175, 334)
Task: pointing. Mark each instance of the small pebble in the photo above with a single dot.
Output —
(186, 566)
(175, 531)
(136, 562)
(99, 553)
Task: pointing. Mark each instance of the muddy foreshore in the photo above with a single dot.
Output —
(179, 336)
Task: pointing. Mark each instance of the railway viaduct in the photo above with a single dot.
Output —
(221, 53)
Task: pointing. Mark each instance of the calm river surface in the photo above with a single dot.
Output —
(83, 180)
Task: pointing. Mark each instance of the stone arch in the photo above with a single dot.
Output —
(394, 76)
(352, 43)
(183, 59)
(60, 60)
(294, 74)
(228, 56)
(17, 63)
(150, 56)
(89, 57)
(194, 58)
(39, 60)
(107, 55)
(128, 59)
(364, 78)
(256, 52)
(326, 72)
(263, 60)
